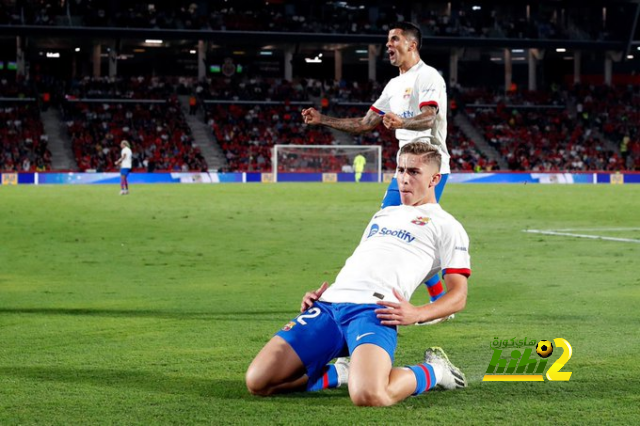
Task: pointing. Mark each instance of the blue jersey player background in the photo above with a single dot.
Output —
(414, 104)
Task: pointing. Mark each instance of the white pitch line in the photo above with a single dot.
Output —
(596, 229)
(568, 234)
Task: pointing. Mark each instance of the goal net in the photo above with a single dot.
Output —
(327, 159)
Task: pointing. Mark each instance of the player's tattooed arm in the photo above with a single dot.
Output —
(353, 125)
(423, 121)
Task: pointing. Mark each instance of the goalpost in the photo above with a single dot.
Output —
(325, 159)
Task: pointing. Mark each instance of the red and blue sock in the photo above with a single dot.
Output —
(425, 377)
(328, 380)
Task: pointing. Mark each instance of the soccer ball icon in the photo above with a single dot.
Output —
(544, 348)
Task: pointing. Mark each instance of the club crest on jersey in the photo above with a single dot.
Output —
(288, 326)
(420, 221)
(407, 93)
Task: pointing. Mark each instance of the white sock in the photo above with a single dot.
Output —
(438, 370)
(343, 373)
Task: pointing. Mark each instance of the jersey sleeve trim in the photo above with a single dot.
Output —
(376, 110)
(462, 271)
(429, 103)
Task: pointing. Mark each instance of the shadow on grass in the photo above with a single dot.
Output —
(132, 313)
(154, 382)
(479, 399)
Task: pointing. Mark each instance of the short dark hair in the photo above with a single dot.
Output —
(429, 154)
(412, 29)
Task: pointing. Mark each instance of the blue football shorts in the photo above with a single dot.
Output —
(125, 172)
(392, 196)
(330, 330)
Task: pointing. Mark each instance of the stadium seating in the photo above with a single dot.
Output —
(465, 157)
(160, 138)
(23, 143)
(543, 139)
(121, 88)
(560, 129)
(10, 88)
(247, 133)
(613, 110)
(495, 19)
(280, 90)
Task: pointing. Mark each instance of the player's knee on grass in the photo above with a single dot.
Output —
(258, 381)
(259, 377)
(276, 365)
(370, 397)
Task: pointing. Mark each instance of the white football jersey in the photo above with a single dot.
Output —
(126, 163)
(401, 247)
(406, 94)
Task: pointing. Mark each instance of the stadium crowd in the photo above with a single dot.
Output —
(159, 135)
(247, 133)
(299, 90)
(543, 140)
(559, 129)
(138, 87)
(11, 88)
(492, 19)
(23, 143)
(615, 112)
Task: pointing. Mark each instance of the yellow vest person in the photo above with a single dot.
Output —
(358, 166)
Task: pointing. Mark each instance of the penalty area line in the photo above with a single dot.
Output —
(570, 234)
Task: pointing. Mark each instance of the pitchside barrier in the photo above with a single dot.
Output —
(50, 178)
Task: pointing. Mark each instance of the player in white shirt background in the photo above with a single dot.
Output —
(414, 104)
(359, 314)
(125, 163)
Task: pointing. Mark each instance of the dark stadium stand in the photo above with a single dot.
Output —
(494, 19)
(10, 88)
(543, 139)
(23, 143)
(559, 127)
(247, 133)
(532, 130)
(159, 135)
(121, 88)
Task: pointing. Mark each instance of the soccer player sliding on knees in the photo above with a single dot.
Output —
(359, 314)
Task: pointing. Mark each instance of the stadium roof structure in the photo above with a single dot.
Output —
(251, 37)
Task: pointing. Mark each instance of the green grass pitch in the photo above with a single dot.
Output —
(147, 309)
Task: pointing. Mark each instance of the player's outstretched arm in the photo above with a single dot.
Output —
(351, 125)
(423, 121)
(311, 297)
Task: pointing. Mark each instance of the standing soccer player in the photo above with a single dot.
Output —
(414, 104)
(358, 166)
(360, 313)
(125, 162)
